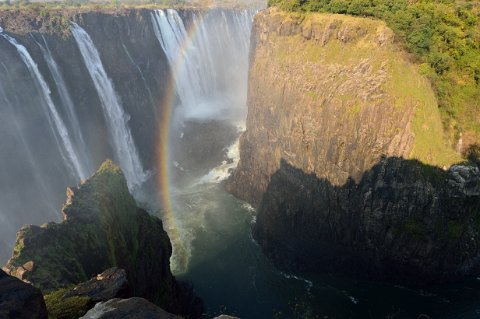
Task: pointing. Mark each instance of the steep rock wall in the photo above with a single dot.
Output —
(342, 154)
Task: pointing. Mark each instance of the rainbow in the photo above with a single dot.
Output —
(180, 253)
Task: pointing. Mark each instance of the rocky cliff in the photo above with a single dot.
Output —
(102, 227)
(345, 157)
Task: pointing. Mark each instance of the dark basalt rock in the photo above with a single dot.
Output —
(133, 308)
(403, 222)
(20, 300)
(112, 283)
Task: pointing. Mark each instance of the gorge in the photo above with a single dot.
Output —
(348, 196)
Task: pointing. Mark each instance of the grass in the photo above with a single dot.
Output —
(410, 87)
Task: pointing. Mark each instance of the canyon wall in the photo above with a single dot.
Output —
(345, 157)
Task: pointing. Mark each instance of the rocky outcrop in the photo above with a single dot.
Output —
(133, 308)
(20, 300)
(344, 155)
(112, 283)
(102, 228)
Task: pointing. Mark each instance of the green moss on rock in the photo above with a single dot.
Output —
(60, 307)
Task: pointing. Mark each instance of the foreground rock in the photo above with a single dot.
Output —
(133, 308)
(112, 283)
(20, 300)
(343, 155)
(102, 228)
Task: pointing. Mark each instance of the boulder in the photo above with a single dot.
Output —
(132, 308)
(20, 300)
(112, 283)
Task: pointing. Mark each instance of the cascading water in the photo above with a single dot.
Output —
(74, 125)
(116, 119)
(206, 88)
(56, 123)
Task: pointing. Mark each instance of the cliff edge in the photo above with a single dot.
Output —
(345, 155)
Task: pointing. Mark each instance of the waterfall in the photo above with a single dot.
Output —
(117, 120)
(205, 87)
(208, 56)
(56, 123)
(75, 129)
(147, 87)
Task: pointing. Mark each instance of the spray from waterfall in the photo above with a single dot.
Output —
(206, 88)
(201, 89)
(24, 145)
(56, 123)
(116, 118)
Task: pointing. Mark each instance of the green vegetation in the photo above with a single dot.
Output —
(59, 307)
(444, 38)
(124, 4)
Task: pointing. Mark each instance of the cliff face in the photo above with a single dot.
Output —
(102, 228)
(341, 152)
